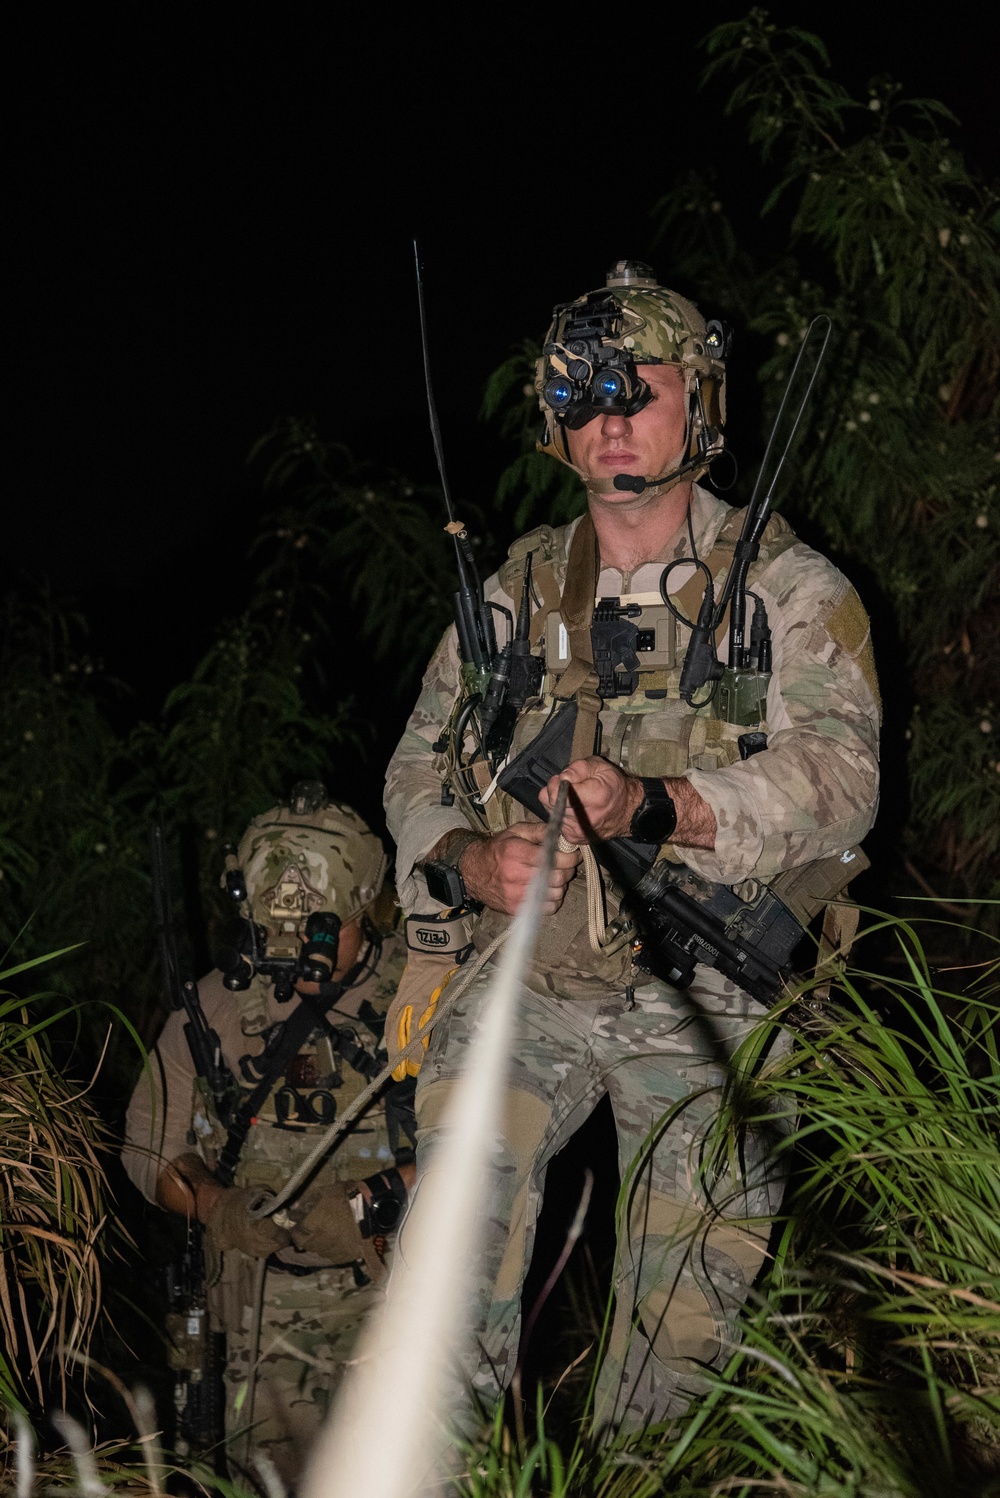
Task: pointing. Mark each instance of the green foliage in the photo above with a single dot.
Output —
(62, 805)
(78, 794)
(880, 224)
(892, 236)
(870, 1363)
(534, 487)
(229, 742)
(346, 529)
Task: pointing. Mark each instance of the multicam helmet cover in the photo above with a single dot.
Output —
(305, 857)
(645, 324)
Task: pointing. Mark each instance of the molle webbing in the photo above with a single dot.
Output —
(298, 1027)
(541, 543)
(580, 592)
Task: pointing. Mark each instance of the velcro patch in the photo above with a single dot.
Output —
(849, 627)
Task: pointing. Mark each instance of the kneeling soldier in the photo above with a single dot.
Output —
(297, 1010)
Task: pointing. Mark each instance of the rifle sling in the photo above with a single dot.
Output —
(579, 680)
(298, 1027)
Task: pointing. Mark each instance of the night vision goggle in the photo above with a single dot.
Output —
(587, 372)
(247, 952)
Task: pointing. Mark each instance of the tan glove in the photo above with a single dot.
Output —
(424, 980)
(230, 1225)
(330, 1229)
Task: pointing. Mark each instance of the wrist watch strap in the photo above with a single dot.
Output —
(655, 817)
(444, 882)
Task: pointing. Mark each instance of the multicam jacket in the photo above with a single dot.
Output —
(813, 793)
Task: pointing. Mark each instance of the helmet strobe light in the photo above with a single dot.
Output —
(319, 952)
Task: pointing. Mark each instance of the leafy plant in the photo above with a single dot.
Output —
(870, 1362)
(884, 227)
(79, 792)
(350, 529)
(868, 213)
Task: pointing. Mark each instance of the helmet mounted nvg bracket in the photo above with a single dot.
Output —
(302, 872)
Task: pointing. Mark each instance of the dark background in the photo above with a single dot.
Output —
(211, 214)
(212, 210)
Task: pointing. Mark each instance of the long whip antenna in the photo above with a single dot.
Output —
(431, 403)
(779, 444)
(477, 638)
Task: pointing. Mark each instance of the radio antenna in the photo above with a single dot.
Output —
(474, 620)
(431, 403)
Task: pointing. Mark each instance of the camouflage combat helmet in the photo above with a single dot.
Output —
(645, 324)
(310, 855)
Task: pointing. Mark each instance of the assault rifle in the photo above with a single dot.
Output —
(196, 1354)
(681, 919)
(203, 1043)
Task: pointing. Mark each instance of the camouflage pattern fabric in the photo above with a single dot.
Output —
(310, 1320)
(813, 793)
(294, 865)
(697, 1233)
(309, 1328)
(686, 1265)
(658, 326)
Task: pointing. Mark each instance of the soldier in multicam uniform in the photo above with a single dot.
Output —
(291, 1290)
(591, 1022)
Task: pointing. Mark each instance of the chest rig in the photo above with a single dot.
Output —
(621, 658)
(619, 663)
(296, 1074)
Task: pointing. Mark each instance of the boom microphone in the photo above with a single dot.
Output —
(633, 483)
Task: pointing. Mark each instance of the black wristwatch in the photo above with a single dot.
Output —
(389, 1196)
(444, 882)
(656, 815)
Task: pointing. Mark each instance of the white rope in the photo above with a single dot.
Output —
(389, 1419)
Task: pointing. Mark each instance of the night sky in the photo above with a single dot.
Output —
(211, 224)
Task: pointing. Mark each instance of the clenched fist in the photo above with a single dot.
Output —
(230, 1225)
(498, 870)
(602, 801)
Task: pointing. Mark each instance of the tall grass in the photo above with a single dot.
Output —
(52, 1207)
(870, 1360)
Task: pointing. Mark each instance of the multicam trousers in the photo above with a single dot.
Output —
(698, 1221)
(309, 1328)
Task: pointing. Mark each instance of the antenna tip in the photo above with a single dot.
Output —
(455, 528)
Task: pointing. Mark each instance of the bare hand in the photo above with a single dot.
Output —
(602, 801)
(499, 869)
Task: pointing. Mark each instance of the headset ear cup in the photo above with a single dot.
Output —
(714, 399)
